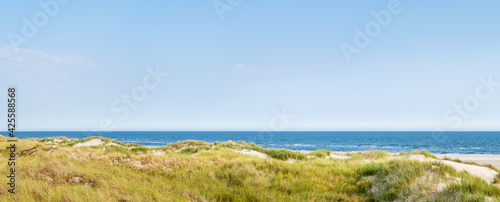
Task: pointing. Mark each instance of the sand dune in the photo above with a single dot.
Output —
(485, 173)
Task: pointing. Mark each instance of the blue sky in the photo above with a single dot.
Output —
(241, 71)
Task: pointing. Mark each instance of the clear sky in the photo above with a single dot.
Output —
(334, 65)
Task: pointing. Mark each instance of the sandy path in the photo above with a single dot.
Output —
(480, 159)
(487, 174)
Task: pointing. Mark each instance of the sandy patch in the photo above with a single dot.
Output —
(112, 144)
(334, 156)
(157, 152)
(92, 142)
(306, 152)
(487, 174)
(252, 153)
(480, 159)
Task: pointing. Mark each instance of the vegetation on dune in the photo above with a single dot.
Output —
(65, 142)
(321, 153)
(372, 155)
(190, 150)
(473, 186)
(474, 163)
(392, 178)
(181, 172)
(281, 154)
(427, 154)
(416, 152)
(189, 143)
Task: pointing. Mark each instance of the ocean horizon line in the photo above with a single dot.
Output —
(252, 131)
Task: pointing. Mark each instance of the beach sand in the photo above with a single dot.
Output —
(480, 159)
(485, 173)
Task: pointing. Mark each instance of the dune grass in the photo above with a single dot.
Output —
(321, 153)
(416, 152)
(183, 173)
(281, 154)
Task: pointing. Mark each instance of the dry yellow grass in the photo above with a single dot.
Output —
(59, 172)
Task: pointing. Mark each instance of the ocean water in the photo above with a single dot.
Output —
(446, 142)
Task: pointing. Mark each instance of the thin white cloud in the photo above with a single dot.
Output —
(240, 66)
(28, 65)
(40, 60)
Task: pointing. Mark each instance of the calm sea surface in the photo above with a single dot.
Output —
(447, 142)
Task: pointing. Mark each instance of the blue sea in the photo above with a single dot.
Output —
(445, 142)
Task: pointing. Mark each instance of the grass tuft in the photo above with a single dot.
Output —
(322, 153)
(427, 154)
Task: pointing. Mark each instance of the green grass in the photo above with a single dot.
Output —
(189, 143)
(119, 149)
(427, 154)
(322, 153)
(370, 155)
(192, 150)
(284, 154)
(281, 154)
(139, 149)
(183, 173)
(392, 177)
(474, 185)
